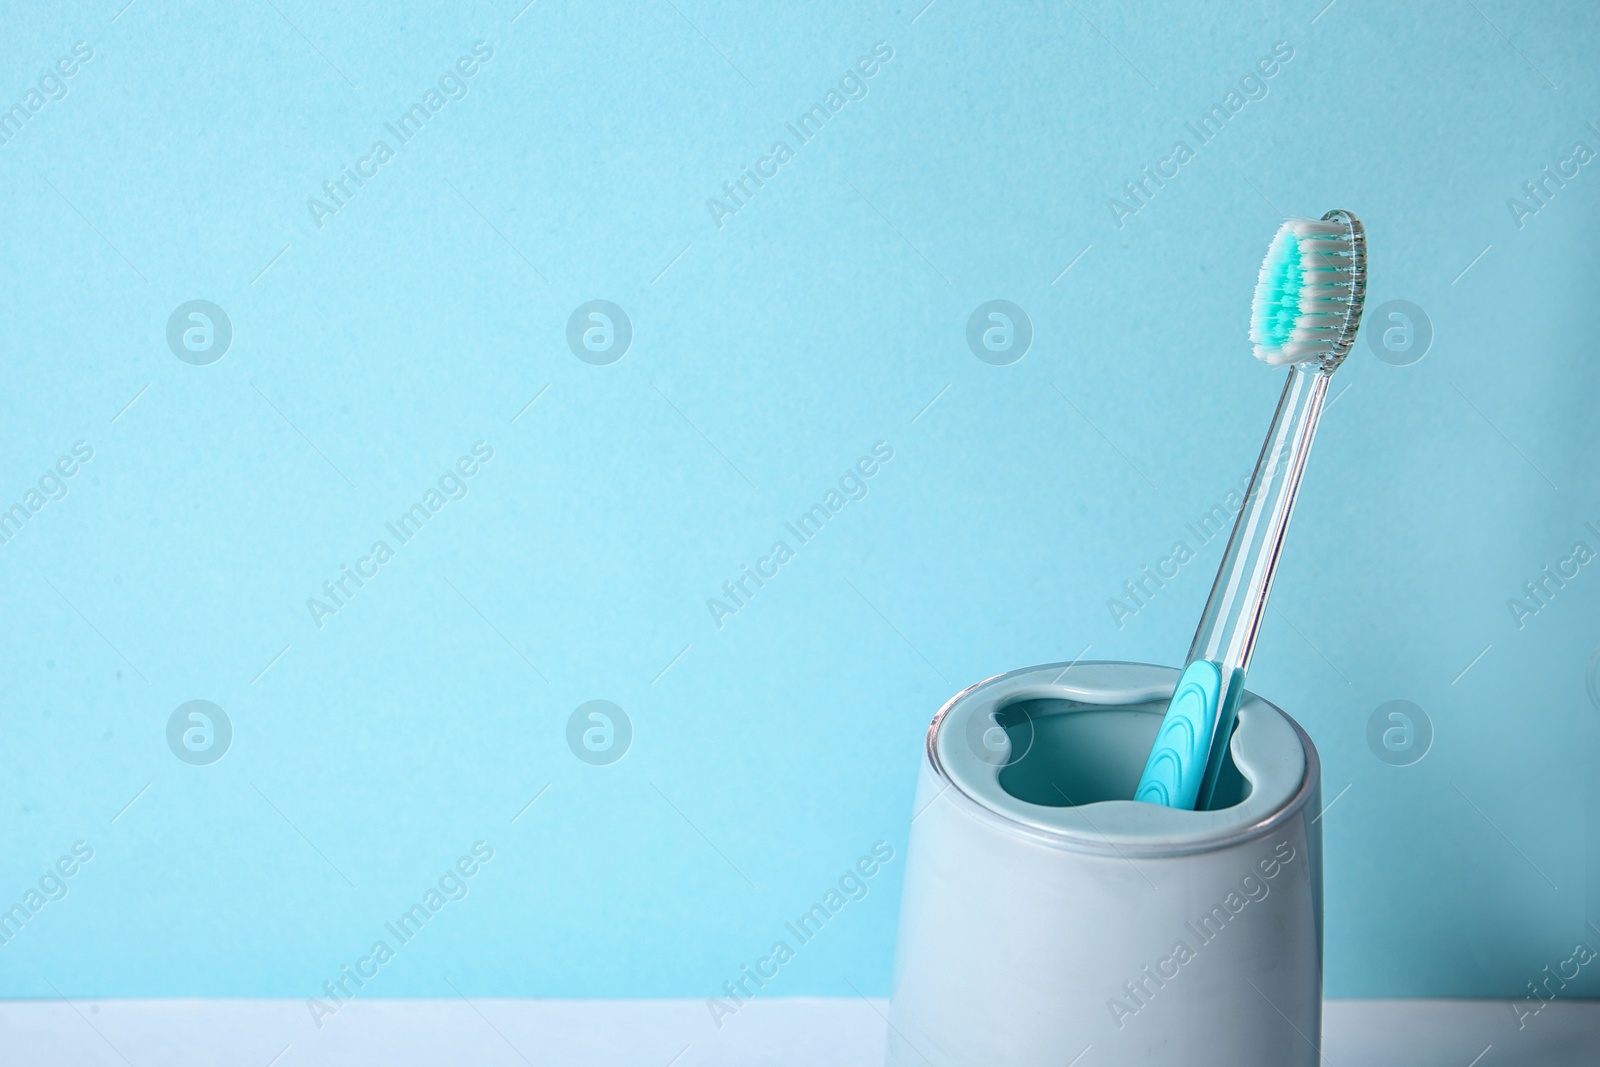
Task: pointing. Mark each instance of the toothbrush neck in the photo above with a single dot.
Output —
(1238, 601)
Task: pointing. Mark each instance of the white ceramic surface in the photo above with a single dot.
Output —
(1032, 930)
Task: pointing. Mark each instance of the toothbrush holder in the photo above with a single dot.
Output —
(1047, 918)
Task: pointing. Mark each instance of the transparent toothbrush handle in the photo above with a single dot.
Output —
(1233, 613)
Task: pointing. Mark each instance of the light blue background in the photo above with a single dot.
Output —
(768, 356)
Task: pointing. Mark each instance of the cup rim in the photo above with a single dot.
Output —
(1226, 836)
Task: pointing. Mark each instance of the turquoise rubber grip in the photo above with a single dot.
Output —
(1177, 763)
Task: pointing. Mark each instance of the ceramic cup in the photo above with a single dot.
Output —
(1049, 920)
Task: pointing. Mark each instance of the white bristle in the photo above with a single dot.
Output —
(1331, 283)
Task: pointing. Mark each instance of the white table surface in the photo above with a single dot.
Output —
(680, 1033)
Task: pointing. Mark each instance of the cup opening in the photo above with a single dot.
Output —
(1065, 753)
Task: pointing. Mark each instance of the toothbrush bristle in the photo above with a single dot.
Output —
(1310, 290)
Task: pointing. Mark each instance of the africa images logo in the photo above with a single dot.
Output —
(199, 733)
(599, 732)
(1399, 733)
(599, 332)
(199, 332)
(999, 333)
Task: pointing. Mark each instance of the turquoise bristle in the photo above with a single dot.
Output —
(1309, 291)
(1277, 302)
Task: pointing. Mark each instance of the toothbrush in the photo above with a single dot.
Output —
(1306, 312)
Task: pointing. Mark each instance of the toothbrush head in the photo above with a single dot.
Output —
(1310, 291)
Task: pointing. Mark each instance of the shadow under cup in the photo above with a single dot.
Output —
(1045, 912)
